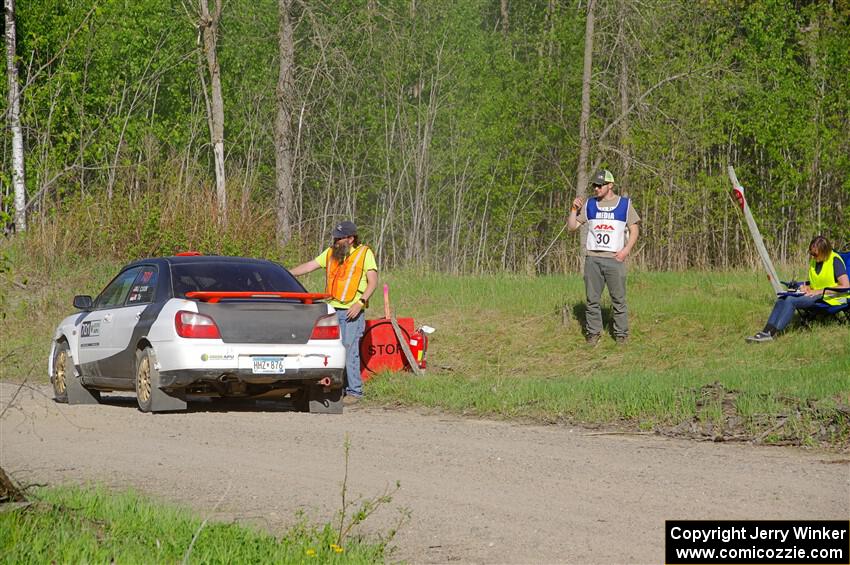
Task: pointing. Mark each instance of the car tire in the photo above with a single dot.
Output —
(143, 380)
(62, 371)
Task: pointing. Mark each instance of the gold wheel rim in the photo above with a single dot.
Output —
(59, 376)
(143, 380)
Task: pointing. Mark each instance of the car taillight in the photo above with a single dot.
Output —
(192, 324)
(327, 327)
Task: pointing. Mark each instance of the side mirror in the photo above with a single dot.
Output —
(82, 302)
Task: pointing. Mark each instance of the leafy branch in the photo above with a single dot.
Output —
(355, 512)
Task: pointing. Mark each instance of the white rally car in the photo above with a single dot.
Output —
(174, 328)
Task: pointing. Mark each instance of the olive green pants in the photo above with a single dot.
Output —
(599, 272)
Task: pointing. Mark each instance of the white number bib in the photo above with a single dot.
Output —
(606, 235)
(607, 228)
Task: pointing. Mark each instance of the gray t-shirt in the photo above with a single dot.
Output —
(606, 206)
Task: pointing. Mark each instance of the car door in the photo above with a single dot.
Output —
(124, 329)
(97, 328)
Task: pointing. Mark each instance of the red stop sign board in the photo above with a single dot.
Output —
(380, 349)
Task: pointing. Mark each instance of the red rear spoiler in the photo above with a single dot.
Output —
(213, 297)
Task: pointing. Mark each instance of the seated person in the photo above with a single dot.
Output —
(826, 270)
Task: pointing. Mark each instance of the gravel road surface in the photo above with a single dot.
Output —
(478, 491)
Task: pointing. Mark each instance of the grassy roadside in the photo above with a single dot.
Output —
(503, 349)
(92, 525)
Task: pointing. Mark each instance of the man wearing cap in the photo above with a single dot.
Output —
(609, 218)
(351, 279)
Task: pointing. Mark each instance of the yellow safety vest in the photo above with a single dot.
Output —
(826, 278)
(343, 279)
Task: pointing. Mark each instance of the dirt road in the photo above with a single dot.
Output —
(478, 491)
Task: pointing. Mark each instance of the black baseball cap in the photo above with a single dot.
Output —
(344, 229)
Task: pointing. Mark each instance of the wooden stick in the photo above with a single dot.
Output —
(405, 347)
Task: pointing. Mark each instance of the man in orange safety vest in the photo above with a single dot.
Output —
(351, 278)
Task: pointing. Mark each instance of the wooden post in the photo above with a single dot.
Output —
(738, 191)
(405, 348)
(399, 335)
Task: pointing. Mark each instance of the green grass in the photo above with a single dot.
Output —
(92, 525)
(502, 350)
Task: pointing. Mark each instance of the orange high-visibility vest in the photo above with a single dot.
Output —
(343, 279)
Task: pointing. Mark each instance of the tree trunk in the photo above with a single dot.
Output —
(623, 87)
(503, 8)
(544, 48)
(18, 179)
(584, 121)
(209, 25)
(283, 124)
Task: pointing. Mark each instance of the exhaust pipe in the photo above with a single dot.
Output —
(325, 381)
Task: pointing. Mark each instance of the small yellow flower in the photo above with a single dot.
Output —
(336, 548)
(311, 552)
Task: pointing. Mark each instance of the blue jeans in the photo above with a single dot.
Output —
(351, 331)
(783, 310)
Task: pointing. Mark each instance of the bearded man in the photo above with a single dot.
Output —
(351, 279)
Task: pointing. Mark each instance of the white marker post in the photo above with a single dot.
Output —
(738, 191)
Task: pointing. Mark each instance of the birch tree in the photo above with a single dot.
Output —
(209, 23)
(15, 121)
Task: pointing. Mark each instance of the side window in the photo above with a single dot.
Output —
(116, 292)
(142, 290)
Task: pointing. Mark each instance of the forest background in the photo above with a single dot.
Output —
(450, 131)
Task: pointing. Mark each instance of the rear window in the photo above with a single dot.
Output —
(232, 277)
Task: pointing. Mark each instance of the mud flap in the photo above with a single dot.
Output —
(78, 394)
(161, 401)
(322, 402)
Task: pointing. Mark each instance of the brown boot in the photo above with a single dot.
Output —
(349, 400)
